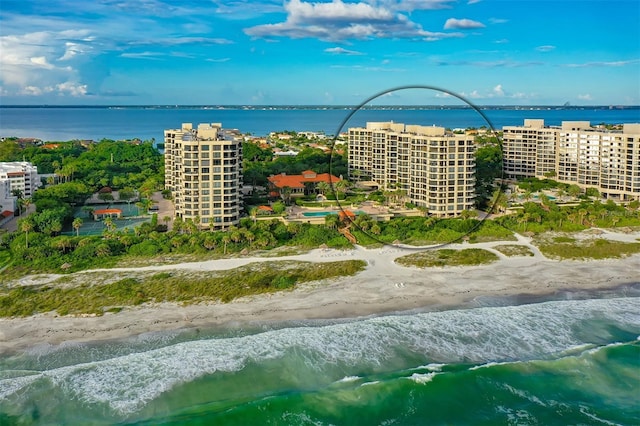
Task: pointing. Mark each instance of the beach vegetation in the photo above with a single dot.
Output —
(448, 257)
(514, 250)
(214, 286)
(420, 231)
(596, 248)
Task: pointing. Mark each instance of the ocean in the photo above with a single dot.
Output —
(571, 358)
(566, 360)
(146, 123)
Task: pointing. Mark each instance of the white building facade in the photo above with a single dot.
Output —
(17, 177)
(203, 170)
(576, 153)
(435, 168)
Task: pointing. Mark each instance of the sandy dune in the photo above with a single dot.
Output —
(383, 287)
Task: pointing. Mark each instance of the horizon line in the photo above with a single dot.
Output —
(331, 106)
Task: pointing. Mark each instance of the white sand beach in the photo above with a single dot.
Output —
(382, 288)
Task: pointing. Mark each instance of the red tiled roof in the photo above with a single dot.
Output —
(107, 211)
(298, 181)
(346, 213)
(265, 208)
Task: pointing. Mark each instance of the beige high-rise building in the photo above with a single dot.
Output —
(435, 168)
(576, 153)
(203, 171)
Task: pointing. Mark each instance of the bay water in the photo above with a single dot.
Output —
(146, 123)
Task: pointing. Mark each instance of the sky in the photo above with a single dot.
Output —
(339, 52)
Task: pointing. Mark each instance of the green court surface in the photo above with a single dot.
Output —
(129, 219)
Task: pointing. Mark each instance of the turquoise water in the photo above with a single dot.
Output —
(68, 123)
(323, 214)
(557, 362)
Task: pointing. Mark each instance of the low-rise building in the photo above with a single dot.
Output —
(299, 185)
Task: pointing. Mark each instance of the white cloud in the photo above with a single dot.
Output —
(218, 60)
(473, 1)
(341, 51)
(498, 21)
(496, 92)
(489, 64)
(178, 41)
(41, 62)
(337, 21)
(72, 50)
(154, 56)
(604, 64)
(585, 97)
(462, 24)
(31, 63)
(545, 48)
(73, 89)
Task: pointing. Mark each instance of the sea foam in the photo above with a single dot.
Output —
(482, 335)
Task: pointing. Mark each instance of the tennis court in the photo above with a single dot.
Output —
(129, 219)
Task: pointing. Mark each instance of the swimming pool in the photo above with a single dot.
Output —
(325, 213)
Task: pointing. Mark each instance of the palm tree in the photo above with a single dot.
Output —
(103, 250)
(524, 219)
(225, 239)
(323, 187)
(236, 236)
(615, 220)
(56, 227)
(62, 243)
(341, 187)
(331, 221)
(285, 193)
(582, 213)
(25, 203)
(209, 242)
(249, 236)
(26, 225)
(108, 222)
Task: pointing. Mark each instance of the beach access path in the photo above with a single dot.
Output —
(383, 287)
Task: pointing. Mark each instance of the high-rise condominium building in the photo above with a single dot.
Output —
(435, 168)
(203, 170)
(576, 153)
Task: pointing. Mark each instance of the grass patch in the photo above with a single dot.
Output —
(5, 258)
(589, 249)
(513, 250)
(284, 251)
(448, 257)
(563, 239)
(252, 279)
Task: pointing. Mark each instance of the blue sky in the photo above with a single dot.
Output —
(123, 52)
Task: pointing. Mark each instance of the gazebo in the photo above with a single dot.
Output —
(346, 214)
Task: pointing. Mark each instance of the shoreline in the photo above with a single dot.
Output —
(383, 288)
